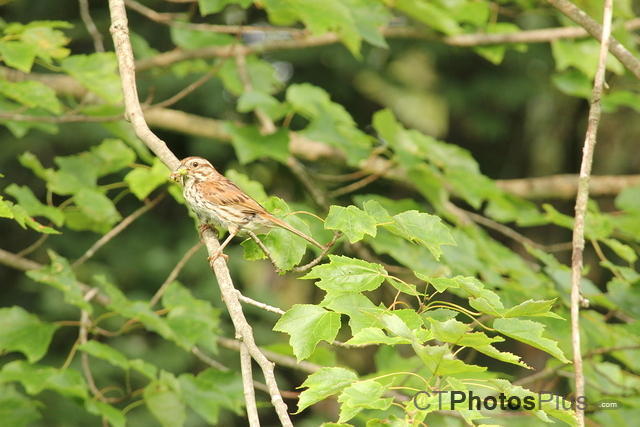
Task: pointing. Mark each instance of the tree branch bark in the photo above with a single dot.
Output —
(581, 203)
(120, 33)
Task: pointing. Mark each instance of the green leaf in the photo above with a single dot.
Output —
(47, 41)
(20, 215)
(533, 308)
(33, 206)
(529, 332)
(76, 172)
(319, 18)
(369, 18)
(98, 73)
(353, 222)
(361, 311)
(113, 155)
(141, 311)
(439, 360)
(629, 199)
(5, 209)
(583, 55)
(368, 336)
(24, 332)
(330, 122)
(250, 101)
(35, 378)
(16, 409)
(262, 74)
(251, 145)
(96, 206)
(145, 368)
(430, 14)
(495, 53)
(308, 325)
(212, 390)
(114, 416)
(213, 6)
(422, 228)
(458, 333)
(192, 39)
(324, 383)
(344, 274)
(623, 251)
(32, 94)
(60, 275)
(193, 320)
(286, 248)
(105, 352)
(573, 82)
(18, 54)
(165, 404)
(362, 395)
(143, 180)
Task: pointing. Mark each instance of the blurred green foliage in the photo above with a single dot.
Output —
(420, 294)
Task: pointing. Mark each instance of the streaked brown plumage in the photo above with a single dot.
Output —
(218, 201)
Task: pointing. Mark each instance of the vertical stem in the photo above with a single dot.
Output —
(249, 392)
(581, 206)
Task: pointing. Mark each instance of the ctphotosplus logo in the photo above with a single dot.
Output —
(456, 400)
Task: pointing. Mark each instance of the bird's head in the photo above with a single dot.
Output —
(196, 168)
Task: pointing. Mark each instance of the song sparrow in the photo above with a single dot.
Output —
(218, 201)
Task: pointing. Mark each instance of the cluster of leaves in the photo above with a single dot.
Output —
(457, 288)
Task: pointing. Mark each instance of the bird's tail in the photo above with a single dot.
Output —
(295, 231)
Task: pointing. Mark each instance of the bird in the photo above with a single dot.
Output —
(217, 201)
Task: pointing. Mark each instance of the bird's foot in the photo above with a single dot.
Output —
(202, 228)
(217, 255)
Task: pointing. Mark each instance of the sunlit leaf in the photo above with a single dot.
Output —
(324, 383)
(353, 222)
(24, 332)
(308, 325)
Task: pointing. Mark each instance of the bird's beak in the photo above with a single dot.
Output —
(177, 175)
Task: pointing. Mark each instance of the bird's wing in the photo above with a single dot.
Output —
(223, 192)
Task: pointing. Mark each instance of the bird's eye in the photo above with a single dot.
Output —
(195, 164)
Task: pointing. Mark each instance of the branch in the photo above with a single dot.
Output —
(98, 44)
(247, 386)
(118, 229)
(174, 273)
(581, 202)
(580, 17)
(120, 33)
(280, 359)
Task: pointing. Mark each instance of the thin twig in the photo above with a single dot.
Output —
(318, 196)
(354, 186)
(581, 204)
(280, 359)
(83, 333)
(247, 386)
(35, 245)
(206, 359)
(174, 273)
(98, 43)
(117, 230)
(267, 126)
(187, 90)
(259, 304)
(319, 258)
(126, 66)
